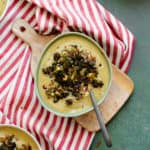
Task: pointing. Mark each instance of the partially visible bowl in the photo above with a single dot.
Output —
(3, 8)
(22, 136)
(84, 105)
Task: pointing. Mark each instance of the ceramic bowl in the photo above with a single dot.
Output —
(4, 10)
(60, 38)
(20, 133)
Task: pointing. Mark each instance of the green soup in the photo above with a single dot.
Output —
(22, 137)
(2, 6)
(47, 58)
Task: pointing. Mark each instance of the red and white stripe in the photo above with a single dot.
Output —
(124, 35)
(18, 102)
(93, 19)
(3, 119)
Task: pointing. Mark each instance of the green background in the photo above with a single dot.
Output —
(130, 128)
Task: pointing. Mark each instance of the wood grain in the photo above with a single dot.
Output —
(36, 41)
(121, 88)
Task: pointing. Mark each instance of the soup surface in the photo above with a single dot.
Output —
(2, 6)
(101, 64)
(21, 139)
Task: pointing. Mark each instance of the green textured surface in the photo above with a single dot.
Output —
(130, 128)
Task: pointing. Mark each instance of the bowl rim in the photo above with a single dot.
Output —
(74, 114)
(5, 10)
(22, 130)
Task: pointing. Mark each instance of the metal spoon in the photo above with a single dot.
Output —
(100, 120)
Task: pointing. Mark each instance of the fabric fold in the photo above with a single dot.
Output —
(91, 18)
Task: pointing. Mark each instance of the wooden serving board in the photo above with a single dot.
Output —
(120, 90)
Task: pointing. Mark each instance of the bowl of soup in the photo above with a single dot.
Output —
(71, 65)
(16, 138)
(3, 8)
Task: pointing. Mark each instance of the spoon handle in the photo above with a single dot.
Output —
(100, 120)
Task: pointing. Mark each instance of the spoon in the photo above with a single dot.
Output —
(100, 120)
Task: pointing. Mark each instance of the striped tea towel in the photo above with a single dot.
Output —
(18, 102)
